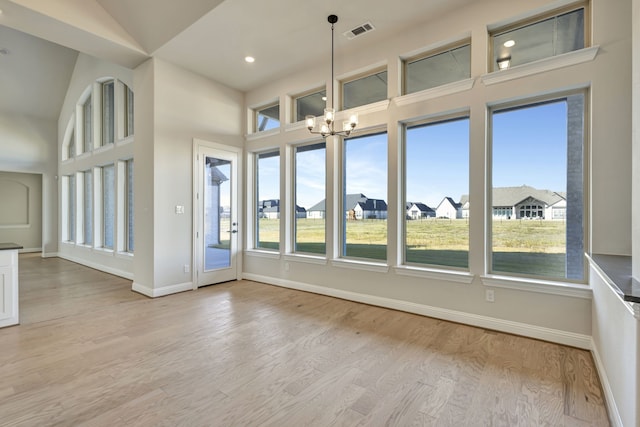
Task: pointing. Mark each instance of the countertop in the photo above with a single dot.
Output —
(9, 246)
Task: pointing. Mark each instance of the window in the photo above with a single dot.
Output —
(436, 193)
(364, 197)
(87, 205)
(128, 111)
(87, 125)
(268, 200)
(537, 175)
(311, 104)
(108, 113)
(71, 146)
(310, 210)
(364, 90)
(71, 208)
(129, 206)
(108, 205)
(435, 70)
(268, 117)
(545, 38)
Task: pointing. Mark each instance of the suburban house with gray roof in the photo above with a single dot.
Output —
(418, 210)
(523, 202)
(447, 208)
(357, 206)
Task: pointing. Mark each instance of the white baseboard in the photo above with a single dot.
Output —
(29, 250)
(612, 408)
(96, 266)
(160, 292)
(516, 328)
(50, 255)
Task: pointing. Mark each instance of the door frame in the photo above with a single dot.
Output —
(195, 228)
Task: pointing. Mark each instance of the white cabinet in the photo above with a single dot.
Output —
(8, 287)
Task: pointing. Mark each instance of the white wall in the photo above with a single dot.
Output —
(178, 106)
(87, 70)
(21, 210)
(28, 144)
(636, 140)
(561, 318)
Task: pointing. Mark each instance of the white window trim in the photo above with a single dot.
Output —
(357, 264)
(263, 253)
(305, 258)
(435, 92)
(435, 273)
(541, 66)
(528, 284)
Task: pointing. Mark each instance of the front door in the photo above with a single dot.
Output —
(216, 234)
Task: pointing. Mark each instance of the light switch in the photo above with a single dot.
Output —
(179, 209)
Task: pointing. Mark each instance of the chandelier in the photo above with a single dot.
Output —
(326, 125)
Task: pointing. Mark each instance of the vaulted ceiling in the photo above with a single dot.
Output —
(209, 37)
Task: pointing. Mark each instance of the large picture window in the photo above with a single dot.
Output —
(129, 207)
(364, 197)
(310, 202)
(537, 228)
(71, 208)
(268, 200)
(437, 193)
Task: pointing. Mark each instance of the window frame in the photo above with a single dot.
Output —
(536, 19)
(406, 61)
(294, 197)
(527, 102)
(257, 113)
(436, 120)
(274, 152)
(360, 76)
(295, 98)
(108, 111)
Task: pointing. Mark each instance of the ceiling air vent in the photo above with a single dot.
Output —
(359, 30)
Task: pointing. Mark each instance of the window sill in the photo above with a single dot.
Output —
(434, 273)
(309, 259)
(103, 148)
(539, 286)
(435, 92)
(104, 251)
(263, 134)
(261, 253)
(124, 141)
(541, 66)
(360, 265)
(124, 255)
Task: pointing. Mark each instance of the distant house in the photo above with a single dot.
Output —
(301, 212)
(449, 209)
(357, 206)
(270, 209)
(523, 202)
(417, 210)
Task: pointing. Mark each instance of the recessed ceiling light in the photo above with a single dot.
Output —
(249, 59)
(509, 43)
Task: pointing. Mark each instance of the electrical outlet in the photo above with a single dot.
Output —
(186, 268)
(489, 295)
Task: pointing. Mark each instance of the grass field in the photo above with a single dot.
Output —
(519, 246)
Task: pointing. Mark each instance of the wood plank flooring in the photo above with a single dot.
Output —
(89, 352)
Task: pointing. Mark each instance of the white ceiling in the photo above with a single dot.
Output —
(209, 37)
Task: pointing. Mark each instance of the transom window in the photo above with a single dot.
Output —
(527, 42)
(267, 117)
(437, 69)
(310, 104)
(364, 90)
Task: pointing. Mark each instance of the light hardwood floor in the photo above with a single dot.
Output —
(91, 352)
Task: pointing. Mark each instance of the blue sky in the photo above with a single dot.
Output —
(529, 148)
